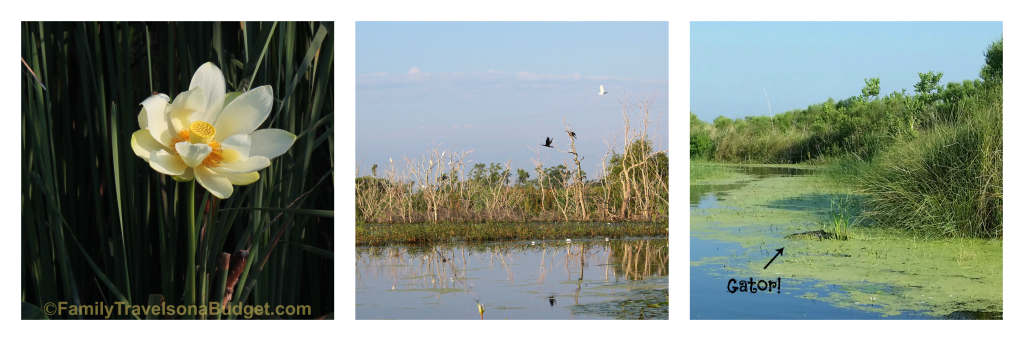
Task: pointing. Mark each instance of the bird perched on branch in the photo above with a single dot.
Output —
(573, 134)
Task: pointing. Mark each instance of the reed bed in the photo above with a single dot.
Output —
(100, 225)
(438, 187)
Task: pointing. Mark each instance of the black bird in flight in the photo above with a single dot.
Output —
(573, 134)
(547, 143)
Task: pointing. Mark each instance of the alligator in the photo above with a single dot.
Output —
(814, 235)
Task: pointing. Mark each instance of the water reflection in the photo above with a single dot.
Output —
(707, 195)
(522, 280)
(765, 171)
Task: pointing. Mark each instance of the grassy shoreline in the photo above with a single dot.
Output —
(417, 233)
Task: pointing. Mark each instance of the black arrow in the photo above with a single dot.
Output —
(773, 258)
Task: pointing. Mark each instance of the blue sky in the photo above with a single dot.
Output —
(802, 63)
(498, 87)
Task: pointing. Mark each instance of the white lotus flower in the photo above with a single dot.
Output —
(209, 135)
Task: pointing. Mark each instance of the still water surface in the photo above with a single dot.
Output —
(588, 279)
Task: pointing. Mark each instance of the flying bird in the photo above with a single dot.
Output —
(547, 143)
(602, 92)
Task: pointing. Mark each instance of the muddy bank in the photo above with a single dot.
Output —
(884, 272)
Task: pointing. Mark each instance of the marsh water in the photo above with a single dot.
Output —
(535, 280)
(737, 225)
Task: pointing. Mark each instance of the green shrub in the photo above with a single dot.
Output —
(701, 146)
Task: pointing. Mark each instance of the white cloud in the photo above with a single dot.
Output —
(414, 70)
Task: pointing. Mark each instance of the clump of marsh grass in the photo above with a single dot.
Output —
(949, 181)
(840, 219)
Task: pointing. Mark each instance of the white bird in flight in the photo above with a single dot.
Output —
(602, 92)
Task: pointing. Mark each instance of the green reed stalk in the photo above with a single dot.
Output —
(840, 224)
(190, 274)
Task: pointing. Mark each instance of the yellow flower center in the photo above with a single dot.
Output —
(204, 133)
(201, 132)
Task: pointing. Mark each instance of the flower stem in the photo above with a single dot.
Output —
(190, 277)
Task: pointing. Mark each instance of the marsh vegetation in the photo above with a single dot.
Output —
(928, 161)
(443, 186)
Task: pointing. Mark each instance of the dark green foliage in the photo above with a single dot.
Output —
(992, 72)
(761, 125)
(722, 122)
(491, 176)
(695, 121)
(701, 146)
(848, 102)
(871, 88)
